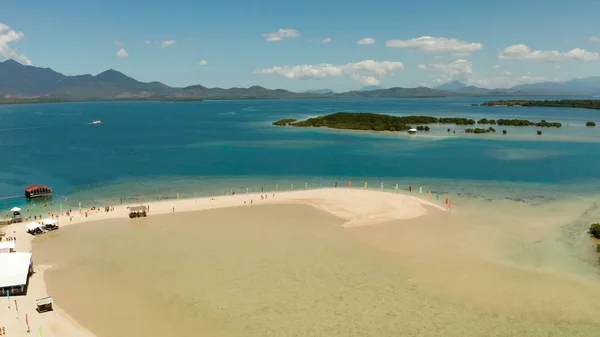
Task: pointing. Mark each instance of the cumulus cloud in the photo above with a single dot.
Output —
(594, 39)
(167, 43)
(119, 43)
(148, 42)
(367, 72)
(326, 40)
(203, 62)
(7, 37)
(281, 34)
(436, 44)
(523, 52)
(366, 40)
(497, 66)
(507, 81)
(122, 53)
(457, 70)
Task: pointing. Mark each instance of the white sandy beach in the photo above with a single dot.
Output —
(358, 207)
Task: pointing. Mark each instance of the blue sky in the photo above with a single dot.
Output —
(489, 44)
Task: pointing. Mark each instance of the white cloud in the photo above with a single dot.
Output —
(119, 43)
(367, 72)
(523, 52)
(7, 37)
(507, 81)
(281, 34)
(457, 70)
(203, 62)
(148, 42)
(166, 43)
(122, 53)
(366, 40)
(436, 44)
(594, 39)
(326, 40)
(497, 66)
(507, 73)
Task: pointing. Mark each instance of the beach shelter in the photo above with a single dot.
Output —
(15, 209)
(33, 226)
(48, 221)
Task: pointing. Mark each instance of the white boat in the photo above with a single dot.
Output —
(97, 122)
(412, 131)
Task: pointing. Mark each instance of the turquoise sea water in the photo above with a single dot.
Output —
(159, 149)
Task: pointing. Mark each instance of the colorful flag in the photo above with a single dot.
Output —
(305, 185)
(421, 190)
(321, 184)
(349, 184)
(8, 297)
(41, 332)
(396, 187)
(366, 184)
(382, 184)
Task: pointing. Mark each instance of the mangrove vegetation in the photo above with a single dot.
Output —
(283, 122)
(563, 103)
(380, 122)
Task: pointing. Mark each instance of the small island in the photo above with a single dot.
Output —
(563, 103)
(379, 122)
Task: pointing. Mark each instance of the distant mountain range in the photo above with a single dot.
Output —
(19, 81)
(320, 91)
(589, 86)
(371, 88)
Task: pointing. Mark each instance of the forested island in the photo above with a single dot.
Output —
(563, 103)
(379, 122)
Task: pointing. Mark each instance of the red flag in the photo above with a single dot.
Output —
(446, 201)
(26, 319)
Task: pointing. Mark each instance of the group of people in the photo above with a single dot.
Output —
(10, 238)
(262, 197)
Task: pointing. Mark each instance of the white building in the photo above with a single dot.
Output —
(14, 274)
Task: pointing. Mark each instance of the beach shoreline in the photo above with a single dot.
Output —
(358, 207)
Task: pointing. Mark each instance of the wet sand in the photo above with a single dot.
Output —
(294, 270)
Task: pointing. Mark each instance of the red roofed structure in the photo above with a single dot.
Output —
(37, 191)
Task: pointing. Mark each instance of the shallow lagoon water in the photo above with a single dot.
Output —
(159, 149)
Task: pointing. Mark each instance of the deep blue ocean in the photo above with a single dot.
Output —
(163, 148)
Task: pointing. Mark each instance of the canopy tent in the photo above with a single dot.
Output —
(15, 209)
(49, 222)
(7, 246)
(15, 269)
(138, 208)
(33, 225)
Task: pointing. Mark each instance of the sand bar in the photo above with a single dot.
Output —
(356, 207)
